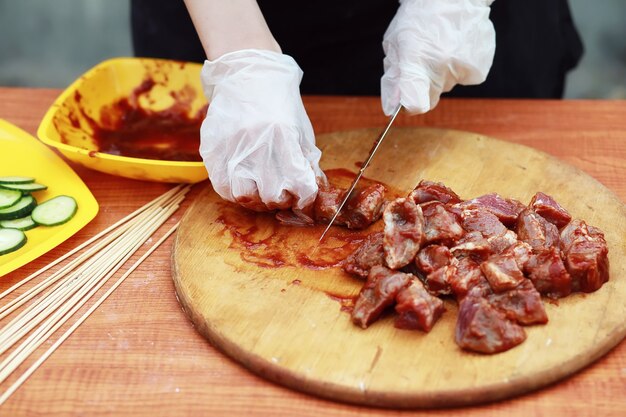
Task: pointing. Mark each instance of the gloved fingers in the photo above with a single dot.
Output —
(257, 141)
(430, 46)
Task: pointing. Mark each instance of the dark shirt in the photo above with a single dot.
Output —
(338, 43)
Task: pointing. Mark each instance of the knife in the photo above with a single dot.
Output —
(363, 167)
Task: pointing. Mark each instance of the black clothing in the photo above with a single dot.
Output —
(338, 43)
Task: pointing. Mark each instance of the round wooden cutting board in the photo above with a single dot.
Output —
(285, 320)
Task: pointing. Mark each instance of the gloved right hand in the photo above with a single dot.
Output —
(432, 45)
(257, 141)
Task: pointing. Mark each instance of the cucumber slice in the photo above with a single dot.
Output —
(9, 197)
(22, 208)
(30, 187)
(14, 179)
(23, 223)
(11, 240)
(57, 210)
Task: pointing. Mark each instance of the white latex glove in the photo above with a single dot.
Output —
(432, 45)
(257, 141)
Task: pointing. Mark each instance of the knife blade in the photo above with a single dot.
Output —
(363, 167)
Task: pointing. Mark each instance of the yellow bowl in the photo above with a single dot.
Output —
(66, 128)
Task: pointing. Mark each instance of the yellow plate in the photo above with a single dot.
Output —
(22, 154)
(64, 126)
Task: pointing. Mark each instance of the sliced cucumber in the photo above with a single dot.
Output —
(15, 179)
(30, 187)
(57, 210)
(23, 223)
(11, 240)
(22, 208)
(9, 197)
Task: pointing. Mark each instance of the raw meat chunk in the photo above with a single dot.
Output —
(416, 308)
(482, 328)
(294, 217)
(502, 272)
(521, 251)
(536, 231)
(379, 292)
(439, 224)
(438, 281)
(502, 242)
(585, 254)
(472, 244)
(327, 203)
(483, 221)
(362, 209)
(549, 209)
(466, 276)
(403, 233)
(433, 191)
(505, 209)
(522, 304)
(548, 274)
(432, 257)
(366, 256)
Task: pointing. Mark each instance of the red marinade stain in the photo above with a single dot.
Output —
(346, 302)
(126, 128)
(263, 241)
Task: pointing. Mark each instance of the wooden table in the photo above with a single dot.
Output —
(138, 355)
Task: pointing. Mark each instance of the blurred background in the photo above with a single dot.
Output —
(51, 43)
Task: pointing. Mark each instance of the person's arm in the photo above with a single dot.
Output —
(231, 25)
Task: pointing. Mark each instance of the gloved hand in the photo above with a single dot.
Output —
(432, 45)
(257, 141)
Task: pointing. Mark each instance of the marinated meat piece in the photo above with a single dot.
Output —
(585, 254)
(403, 233)
(366, 256)
(549, 209)
(536, 231)
(416, 308)
(294, 217)
(482, 328)
(482, 221)
(502, 272)
(548, 274)
(432, 257)
(439, 224)
(466, 276)
(433, 191)
(521, 251)
(364, 207)
(327, 203)
(522, 304)
(438, 281)
(472, 244)
(502, 242)
(494, 255)
(505, 209)
(379, 292)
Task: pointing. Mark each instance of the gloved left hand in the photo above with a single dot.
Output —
(257, 141)
(432, 45)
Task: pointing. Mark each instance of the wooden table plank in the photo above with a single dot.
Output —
(138, 355)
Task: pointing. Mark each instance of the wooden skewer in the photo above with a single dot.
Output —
(64, 313)
(78, 282)
(158, 200)
(24, 323)
(84, 317)
(124, 225)
(48, 298)
(37, 312)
